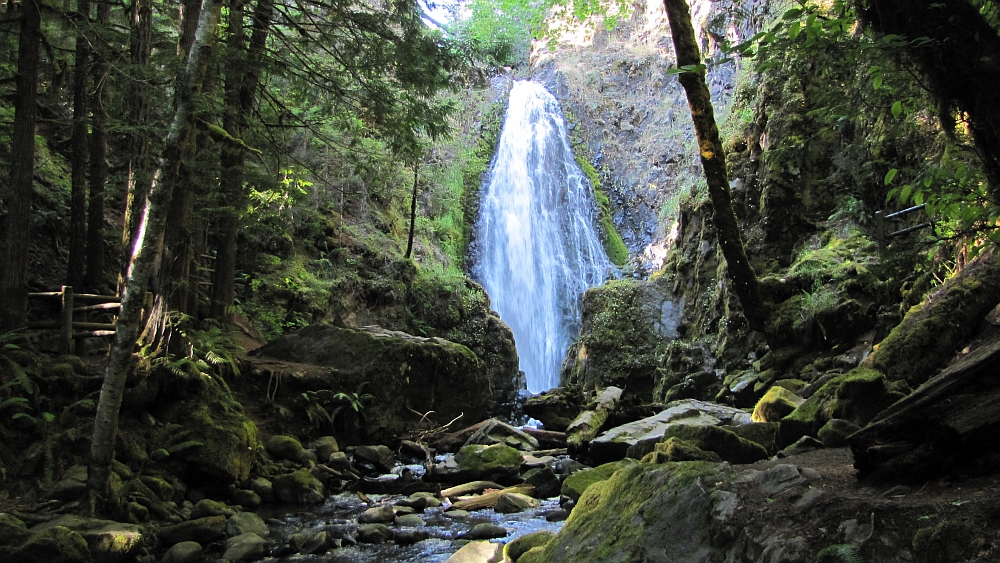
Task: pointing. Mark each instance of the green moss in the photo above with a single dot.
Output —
(951, 540)
(518, 547)
(863, 394)
(575, 485)
(480, 459)
(720, 440)
(776, 404)
(57, 544)
(614, 245)
(677, 449)
(763, 433)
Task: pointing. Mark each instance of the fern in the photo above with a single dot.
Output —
(840, 553)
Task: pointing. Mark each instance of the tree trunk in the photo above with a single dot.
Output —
(413, 213)
(98, 157)
(961, 60)
(713, 161)
(15, 219)
(137, 118)
(241, 97)
(78, 181)
(151, 233)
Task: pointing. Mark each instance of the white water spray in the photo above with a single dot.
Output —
(536, 250)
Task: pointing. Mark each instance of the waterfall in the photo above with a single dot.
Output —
(536, 250)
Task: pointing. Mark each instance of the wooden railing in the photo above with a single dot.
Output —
(70, 329)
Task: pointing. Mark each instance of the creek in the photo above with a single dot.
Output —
(535, 247)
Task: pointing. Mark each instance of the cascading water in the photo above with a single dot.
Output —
(536, 250)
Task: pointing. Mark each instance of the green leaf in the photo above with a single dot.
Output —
(794, 29)
(792, 14)
(904, 194)
(877, 81)
(890, 175)
(897, 108)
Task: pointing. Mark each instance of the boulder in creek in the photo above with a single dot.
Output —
(381, 514)
(484, 531)
(324, 446)
(515, 502)
(574, 485)
(245, 523)
(299, 487)
(374, 533)
(405, 374)
(615, 443)
(545, 481)
(514, 549)
(202, 530)
(208, 507)
(380, 457)
(498, 462)
(556, 408)
(409, 536)
(246, 547)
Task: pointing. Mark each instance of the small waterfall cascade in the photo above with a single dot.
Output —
(536, 249)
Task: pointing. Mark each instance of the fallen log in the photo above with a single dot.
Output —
(472, 488)
(547, 439)
(949, 423)
(489, 500)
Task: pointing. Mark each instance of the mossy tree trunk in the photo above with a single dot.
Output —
(151, 232)
(15, 194)
(413, 212)
(713, 161)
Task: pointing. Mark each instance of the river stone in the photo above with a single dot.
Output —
(556, 515)
(339, 461)
(299, 487)
(318, 543)
(57, 544)
(202, 530)
(184, 552)
(484, 531)
(409, 536)
(518, 547)
(545, 481)
(374, 533)
(433, 374)
(209, 507)
(477, 552)
(515, 502)
(324, 447)
(246, 547)
(246, 498)
(381, 514)
(381, 457)
(615, 443)
(410, 520)
(245, 523)
(495, 432)
(264, 488)
(285, 447)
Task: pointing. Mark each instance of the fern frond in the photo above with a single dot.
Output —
(840, 553)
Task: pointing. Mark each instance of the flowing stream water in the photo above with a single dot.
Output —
(536, 249)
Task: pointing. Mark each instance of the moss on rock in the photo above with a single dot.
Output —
(776, 404)
(57, 544)
(718, 439)
(514, 549)
(676, 449)
(951, 540)
(575, 485)
(479, 462)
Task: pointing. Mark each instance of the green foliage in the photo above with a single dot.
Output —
(614, 246)
(496, 33)
(324, 406)
(839, 553)
(54, 436)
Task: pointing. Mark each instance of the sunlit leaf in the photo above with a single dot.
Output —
(890, 175)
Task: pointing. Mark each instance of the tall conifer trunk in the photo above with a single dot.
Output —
(98, 155)
(78, 178)
(151, 230)
(15, 218)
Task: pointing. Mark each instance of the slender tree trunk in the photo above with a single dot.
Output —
(137, 118)
(150, 234)
(413, 212)
(98, 156)
(78, 182)
(241, 97)
(713, 161)
(15, 196)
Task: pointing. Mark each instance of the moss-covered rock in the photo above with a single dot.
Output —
(776, 404)
(676, 449)
(763, 433)
(951, 540)
(57, 544)
(12, 531)
(834, 433)
(574, 485)
(514, 549)
(490, 463)
(211, 416)
(201, 530)
(721, 440)
(404, 373)
(285, 447)
(556, 408)
(299, 487)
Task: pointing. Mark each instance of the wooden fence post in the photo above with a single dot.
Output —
(66, 322)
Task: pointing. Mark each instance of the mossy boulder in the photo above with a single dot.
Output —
(201, 530)
(285, 447)
(574, 485)
(299, 487)
(518, 547)
(638, 514)
(404, 373)
(763, 433)
(211, 416)
(721, 440)
(108, 541)
(676, 449)
(776, 404)
(57, 544)
(12, 531)
(498, 462)
(556, 408)
(951, 540)
(834, 433)
(324, 447)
